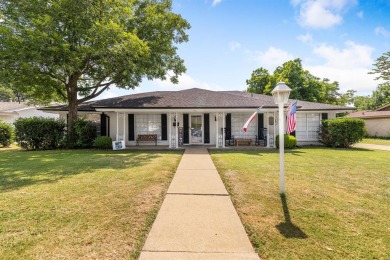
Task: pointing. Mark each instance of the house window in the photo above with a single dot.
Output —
(148, 124)
(307, 126)
(238, 121)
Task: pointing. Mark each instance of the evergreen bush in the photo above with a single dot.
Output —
(86, 133)
(289, 141)
(341, 132)
(39, 133)
(6, 134)
(103, 142)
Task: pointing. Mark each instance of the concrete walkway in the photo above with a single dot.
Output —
(372, 146)
(197, 219)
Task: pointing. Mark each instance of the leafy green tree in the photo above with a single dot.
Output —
(382, 67)
(259, 80)
(304, 85)
(76, 50)
(6, 94)
(381, 96)
(363, 103)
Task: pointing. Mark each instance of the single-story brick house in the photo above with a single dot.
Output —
(377, 122)
(201, 117)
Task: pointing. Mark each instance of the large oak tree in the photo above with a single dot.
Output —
(75, 50)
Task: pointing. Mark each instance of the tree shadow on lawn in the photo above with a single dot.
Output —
(287, 228)
(24, 168)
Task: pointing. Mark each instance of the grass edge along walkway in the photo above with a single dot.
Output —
(337, 201)
(80, 203)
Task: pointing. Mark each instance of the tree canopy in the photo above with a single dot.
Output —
(74, 50)
(304, 85)
(6, 94)
(381, 95)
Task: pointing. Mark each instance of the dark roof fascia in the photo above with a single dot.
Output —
(66, 110)
(167, 108)
(254, 107)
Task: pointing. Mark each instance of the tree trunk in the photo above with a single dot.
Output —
(72, 114)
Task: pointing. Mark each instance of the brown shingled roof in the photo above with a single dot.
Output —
(370, 114)
(194, 98)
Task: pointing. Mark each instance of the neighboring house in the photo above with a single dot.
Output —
(10, 111)
(377, 122)
(201, 117)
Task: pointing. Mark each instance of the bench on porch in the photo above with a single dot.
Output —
(243, 141)
(146, 138)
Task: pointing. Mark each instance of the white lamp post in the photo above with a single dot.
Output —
(281, 93)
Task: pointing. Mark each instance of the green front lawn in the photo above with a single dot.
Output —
(375, 141)
(80, 203)
(336, 207)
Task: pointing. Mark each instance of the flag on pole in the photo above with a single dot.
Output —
(245, 127)
(291, 120)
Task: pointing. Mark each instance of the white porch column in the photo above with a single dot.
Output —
(223, 128)
(169, 130)
(124, 127)
(216, 131)
(268, 129)
(177, 132)
(117, 126)
(275, 122)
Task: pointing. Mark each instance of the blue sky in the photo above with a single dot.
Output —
(228, 39)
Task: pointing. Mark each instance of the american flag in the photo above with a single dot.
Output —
(245, 127)
(291, 120)
(253, 116)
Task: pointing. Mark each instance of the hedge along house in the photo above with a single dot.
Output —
(201, 117)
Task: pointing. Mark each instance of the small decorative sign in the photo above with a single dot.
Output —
(118, 145)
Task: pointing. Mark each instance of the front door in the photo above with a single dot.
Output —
(196, 129)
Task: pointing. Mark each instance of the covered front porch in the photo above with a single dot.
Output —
(174, 129)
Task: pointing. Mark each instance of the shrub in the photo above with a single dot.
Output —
(341, 132)
(86, 133)
(6, 134)
(39, 133)
(103, 142)
(289, 141)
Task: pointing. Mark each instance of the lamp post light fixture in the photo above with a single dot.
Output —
(280, 94)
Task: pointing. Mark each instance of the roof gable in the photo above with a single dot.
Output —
(384, 108)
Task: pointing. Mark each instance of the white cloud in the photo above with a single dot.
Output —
(234, 45)
(321, 13)
(272, 57)
(215, 2)
(349, 66)
(352, 56)
(305, 38)
(360, 14)
(382, 31)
